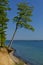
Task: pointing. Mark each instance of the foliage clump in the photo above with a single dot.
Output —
(3, 20)
(23, 18)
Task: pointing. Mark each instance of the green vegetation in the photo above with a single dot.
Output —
(23, 18)
(3, 20)
(20, 63)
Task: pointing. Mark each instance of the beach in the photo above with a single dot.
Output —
(9, 59)
(17, 59)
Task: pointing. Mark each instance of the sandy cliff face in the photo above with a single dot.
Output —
(8, 59)
(5, 58)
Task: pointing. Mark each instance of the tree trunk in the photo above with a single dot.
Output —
(12, 38)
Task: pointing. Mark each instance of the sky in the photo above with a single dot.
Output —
(37, 21)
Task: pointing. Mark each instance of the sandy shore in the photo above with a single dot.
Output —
(17, 59)
(9, 59)
(5, 58)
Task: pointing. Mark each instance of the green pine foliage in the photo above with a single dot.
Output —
(3, 20)
(24, 16)
(22, 19)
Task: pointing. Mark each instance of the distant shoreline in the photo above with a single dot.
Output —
(25, 40)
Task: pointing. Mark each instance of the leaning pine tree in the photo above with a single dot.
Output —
(23, 18)
(3, 20)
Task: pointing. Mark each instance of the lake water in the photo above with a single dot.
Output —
(31, 51)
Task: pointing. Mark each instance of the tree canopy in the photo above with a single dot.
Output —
(23, 18)
(3, 20)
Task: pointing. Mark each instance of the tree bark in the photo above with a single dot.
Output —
(12, 38)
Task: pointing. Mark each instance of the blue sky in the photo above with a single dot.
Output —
(37, 21)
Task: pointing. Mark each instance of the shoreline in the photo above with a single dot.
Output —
(11, 58)
(18, 58)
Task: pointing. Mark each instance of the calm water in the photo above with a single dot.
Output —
(31, 51)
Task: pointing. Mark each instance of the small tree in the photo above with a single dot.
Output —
(23, 18)
(3, 20)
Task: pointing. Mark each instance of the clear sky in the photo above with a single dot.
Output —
(37, 21)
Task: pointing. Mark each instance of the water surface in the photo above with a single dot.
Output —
(31, 51)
